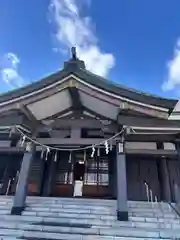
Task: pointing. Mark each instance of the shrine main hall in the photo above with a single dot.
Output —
(76, 134)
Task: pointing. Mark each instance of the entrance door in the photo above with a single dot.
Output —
(63, 180)
(79, 170)
(94, 172)
(96, 177)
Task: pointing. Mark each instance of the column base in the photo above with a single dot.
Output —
(122, 216)
(17, 210)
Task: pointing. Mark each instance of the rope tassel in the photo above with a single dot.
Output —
(42, 153)
(23, 140)
(93, 151)
(106, 147)
(47, 152)
(55, 157)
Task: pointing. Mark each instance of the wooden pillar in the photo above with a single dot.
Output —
(22, 185)
(165, 181)
(112, 172)
(122, 207)
(52, 174)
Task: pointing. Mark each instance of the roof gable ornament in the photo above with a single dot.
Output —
(74, 63)
(73, 52)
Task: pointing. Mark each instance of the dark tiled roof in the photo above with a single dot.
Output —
(75, 67)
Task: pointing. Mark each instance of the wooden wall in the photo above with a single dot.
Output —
(174, 174)
(141, 169)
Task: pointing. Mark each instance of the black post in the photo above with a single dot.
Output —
(22, 185)
(122, 207)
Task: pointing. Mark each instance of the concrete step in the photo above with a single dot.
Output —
(40, 230)
(79, 200)
(47, 232)
(90, 206)
(93, 217)
(57, 212)
(34, 235)
(95, 223)
(71, 210)
(86, 218)
(63, 207)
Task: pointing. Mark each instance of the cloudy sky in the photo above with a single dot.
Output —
(133, 42)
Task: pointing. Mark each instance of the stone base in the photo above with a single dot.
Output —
(17, 210)
(122, 216)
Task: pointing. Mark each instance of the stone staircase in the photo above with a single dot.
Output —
(87, 219)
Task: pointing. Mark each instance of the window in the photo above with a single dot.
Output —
(96, 172)
(64, 169)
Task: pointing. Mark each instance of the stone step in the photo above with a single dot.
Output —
(30, 235)
(49, 199)
(8, 238)
(100, 217)
(71, 210)
(5, 207)
(69, 214)
(95, 223)
(80, 201)
(71, 217)
(63, 207)
(126, 232)
(51, 232)
(85, 203)
(86, 206)
(67, 206)
(57, 212)
(5, 211)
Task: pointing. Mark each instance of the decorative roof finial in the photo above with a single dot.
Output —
(73, 52)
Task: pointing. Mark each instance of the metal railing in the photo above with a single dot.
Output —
(156, 205)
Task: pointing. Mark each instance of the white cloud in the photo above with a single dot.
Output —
(73, 29)
(9, 71)
(173, 80)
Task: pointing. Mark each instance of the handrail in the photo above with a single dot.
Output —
(8, 187)
(147, 190)
(176, 208)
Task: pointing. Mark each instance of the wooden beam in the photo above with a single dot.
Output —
(81, 123)
(160, 152)
(76, 100)
(71, 141)
(11, 150)
(27, 113)
(32, 119)
(146, 121)
(150, 137)
(76, 133)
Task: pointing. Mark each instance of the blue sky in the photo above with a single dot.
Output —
(133, 42)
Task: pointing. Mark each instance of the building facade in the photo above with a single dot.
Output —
(70, 115)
